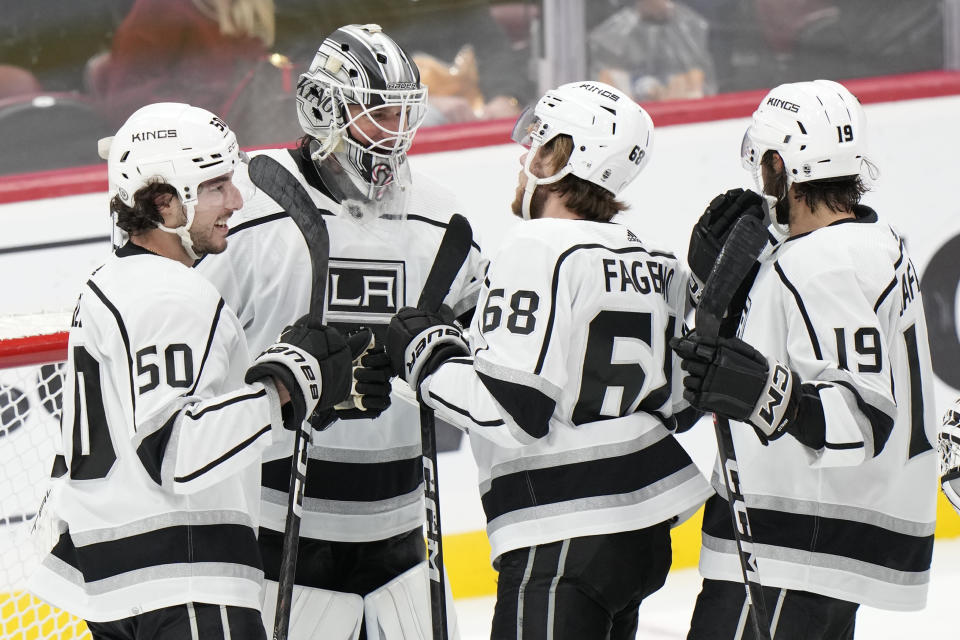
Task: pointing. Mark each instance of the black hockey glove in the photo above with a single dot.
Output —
(729, 377)
(312, 361)
(418, 342)
(712, 229)
(370, 391)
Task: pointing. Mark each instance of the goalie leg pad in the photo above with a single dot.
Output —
(949, 449)
(316, 613)
(401, 608)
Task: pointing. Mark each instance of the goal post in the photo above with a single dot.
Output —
(32, 350)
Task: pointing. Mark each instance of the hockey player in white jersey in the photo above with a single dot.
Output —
(568, 390)
(828, 388)
(360, 105)
(155, 502)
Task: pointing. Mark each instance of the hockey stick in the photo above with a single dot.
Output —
(739, 252)
(451, 255)
(270, 176)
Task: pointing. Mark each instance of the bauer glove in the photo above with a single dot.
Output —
(418, 342)
(312, 361)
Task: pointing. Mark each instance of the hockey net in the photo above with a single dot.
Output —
(32, 350)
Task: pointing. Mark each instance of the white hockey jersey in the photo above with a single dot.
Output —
(364, 477)
(572, 386)
(157, 494)
(855, 518)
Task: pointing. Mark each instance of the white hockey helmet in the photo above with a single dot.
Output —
(182, 145)
(360, 65)
(817, 127)
(612, 135)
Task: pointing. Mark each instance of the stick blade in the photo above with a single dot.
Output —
(277, 182)
(742, 248)
(451, 254)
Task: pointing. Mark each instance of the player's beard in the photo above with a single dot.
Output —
(207, 240)
(537, 202)
(775, 184)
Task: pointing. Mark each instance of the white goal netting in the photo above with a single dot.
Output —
(31, 348)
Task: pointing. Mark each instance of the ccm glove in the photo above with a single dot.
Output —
(312, 361)
(712, 229)
(729, 377)
(370, 390)
(418, 342)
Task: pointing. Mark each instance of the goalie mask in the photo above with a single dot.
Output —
(181, 145)
(818, 128)
(362, 102)
(612, 136)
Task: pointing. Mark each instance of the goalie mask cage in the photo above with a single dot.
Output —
(32, 351)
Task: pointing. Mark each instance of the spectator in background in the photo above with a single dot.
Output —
(436, 32)
(16, 81)
(653, 50)
(194, 51)
(53, 39)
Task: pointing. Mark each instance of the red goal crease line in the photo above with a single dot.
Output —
(455, 137)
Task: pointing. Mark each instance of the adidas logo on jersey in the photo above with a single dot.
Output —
(631, 236)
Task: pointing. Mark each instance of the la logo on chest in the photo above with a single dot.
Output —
(364, 292)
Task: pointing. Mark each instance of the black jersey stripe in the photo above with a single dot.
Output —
(152, 449)
(817, 534)
(179, 545)
(803, 310)
(556, 283)
(348, 481)
(206, 351)
(226, 456)
(126, 344)
(257, 222)
(226, 403)
(843, 445)
(465, 413)
(896, 265)
(530, 408)
(884, 294)
(880, 423)
(918, 437)
(590, 478)
(437, 223)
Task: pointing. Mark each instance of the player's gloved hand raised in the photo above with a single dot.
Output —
(712, 229)
(370, 390)
(312, 361)
(729, 377)
(418, 342)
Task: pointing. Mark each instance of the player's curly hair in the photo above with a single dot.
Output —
(144, 214)
(589, 200)
(837, 194)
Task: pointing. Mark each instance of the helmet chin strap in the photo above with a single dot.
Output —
(319, 150)
(184, 232)
(533, 181)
